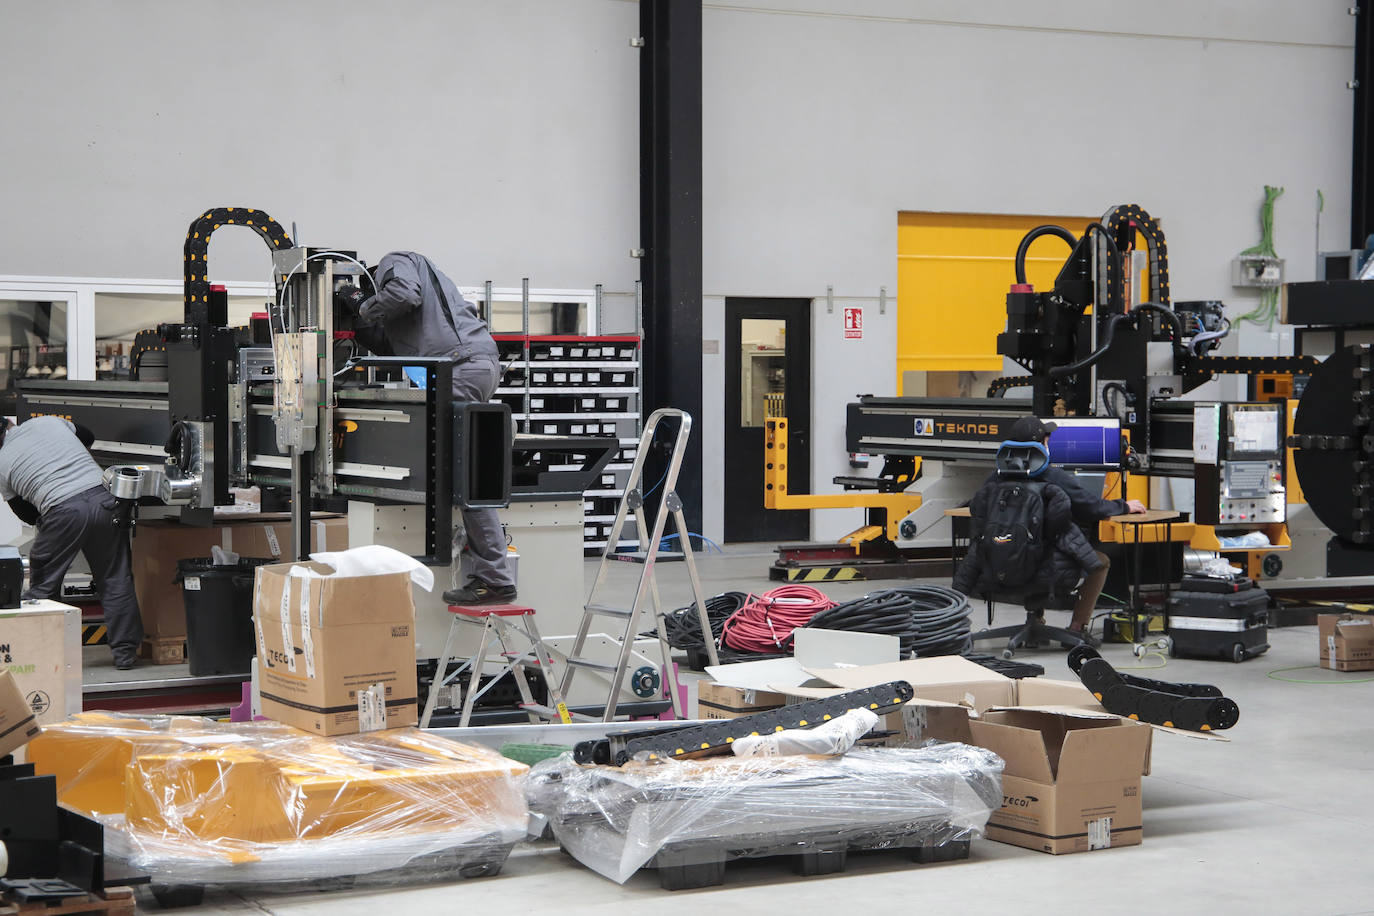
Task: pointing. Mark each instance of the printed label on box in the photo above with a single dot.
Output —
(191, 583)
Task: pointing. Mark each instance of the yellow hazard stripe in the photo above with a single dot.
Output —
(94, 635)
(824, 574)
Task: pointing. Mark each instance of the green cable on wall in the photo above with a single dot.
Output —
(1268, 308)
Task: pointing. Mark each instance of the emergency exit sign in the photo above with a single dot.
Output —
(853, 323)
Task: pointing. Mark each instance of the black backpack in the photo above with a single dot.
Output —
(1013, 537)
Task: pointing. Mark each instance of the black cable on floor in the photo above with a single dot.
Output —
(684, 629)
(927, 619)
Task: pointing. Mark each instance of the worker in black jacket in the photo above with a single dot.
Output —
(1088, 509)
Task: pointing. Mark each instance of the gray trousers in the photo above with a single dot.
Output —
(475, 380)
(85, 522)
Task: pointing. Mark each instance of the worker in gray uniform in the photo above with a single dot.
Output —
(424, 315)
(50, 479)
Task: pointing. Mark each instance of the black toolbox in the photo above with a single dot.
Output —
(1219, 624)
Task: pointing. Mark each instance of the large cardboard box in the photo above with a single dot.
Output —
(17, 721)
(40, 644)
(336, 655)
(717, 701)
(159, 544)
(1346, 642)
(1072, 783)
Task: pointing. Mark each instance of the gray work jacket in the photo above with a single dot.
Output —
(423, 312)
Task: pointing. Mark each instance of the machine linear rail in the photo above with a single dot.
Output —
(1192, 707)
(716, 737)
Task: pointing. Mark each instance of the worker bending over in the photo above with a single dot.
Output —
(50, 479)
(424, 315)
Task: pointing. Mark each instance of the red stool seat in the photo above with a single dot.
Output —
(490, 610)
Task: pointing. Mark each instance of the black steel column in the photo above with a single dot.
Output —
(670, 226)
(1362, 160)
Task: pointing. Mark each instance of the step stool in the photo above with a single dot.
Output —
(494, 620)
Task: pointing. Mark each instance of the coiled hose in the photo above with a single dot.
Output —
(684, 629)
(765, 622)
(927, 619)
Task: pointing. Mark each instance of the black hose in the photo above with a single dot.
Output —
(684, 628)
(1168, 315)
(1125, 393)
(1092, 358)
(1024, 247)
(927, 619)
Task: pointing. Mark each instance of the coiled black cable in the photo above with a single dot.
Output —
(684, 628)
(927, 619)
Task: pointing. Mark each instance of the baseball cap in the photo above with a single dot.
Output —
(1030, 429)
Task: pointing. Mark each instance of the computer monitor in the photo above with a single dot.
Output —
(1087, 443)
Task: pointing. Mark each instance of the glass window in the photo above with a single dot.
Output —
(33, 344)
(763, 373)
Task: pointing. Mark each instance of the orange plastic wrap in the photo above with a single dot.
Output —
(194, 801)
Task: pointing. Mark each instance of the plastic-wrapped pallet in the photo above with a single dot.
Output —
(192, 801)
(672, 815)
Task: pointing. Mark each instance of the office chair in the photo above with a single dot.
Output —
(1026, 461)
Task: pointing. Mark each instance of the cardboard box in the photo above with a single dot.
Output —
(1072, 783)
(718, 701)
(335, 655)
(159, 544)
(17, 721)
(1346, 642)
(40, 644)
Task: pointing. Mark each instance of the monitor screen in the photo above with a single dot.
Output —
(1086, 442)
(1255, 430)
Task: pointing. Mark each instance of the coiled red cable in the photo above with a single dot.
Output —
(765, 622)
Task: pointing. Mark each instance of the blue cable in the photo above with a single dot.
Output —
(712, 545)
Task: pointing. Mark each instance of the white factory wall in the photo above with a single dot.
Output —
(502, 138)
(824, 119)
(499, 138)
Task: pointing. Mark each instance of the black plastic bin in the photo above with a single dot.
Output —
(219, 614)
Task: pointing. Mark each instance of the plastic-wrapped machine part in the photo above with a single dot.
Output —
(616, 820)
(260, 803)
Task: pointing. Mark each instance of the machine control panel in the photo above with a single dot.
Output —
(1251, 492)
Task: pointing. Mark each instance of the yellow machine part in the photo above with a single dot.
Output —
(953, 271)
(777, 496)
(235, 786)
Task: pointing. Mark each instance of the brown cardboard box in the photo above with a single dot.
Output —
(159, 544)
(333, 652)
(17, 722)
(40, 644)
(1072, 783)
(1346, 642)
(716, 701)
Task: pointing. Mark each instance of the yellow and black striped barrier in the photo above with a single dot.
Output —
(94, 634)
(825, 574)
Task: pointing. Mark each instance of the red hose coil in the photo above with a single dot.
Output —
(765, 622)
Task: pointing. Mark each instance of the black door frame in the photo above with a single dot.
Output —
(745, 518)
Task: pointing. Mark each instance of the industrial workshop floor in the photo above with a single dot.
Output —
(1275, 821)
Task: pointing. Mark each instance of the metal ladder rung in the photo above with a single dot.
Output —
(605, 610)
(589, 664)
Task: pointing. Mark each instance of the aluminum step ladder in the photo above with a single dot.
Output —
(648, 555)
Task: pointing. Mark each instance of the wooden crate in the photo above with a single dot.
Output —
(164, 650)
(115, 901)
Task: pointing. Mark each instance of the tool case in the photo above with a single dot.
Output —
(1215, 624)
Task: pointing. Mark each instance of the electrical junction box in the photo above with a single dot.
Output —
(1257, 271)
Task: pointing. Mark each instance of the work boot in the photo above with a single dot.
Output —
(477, 591)
(123, 661)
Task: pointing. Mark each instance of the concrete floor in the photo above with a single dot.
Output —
(1275, 821)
